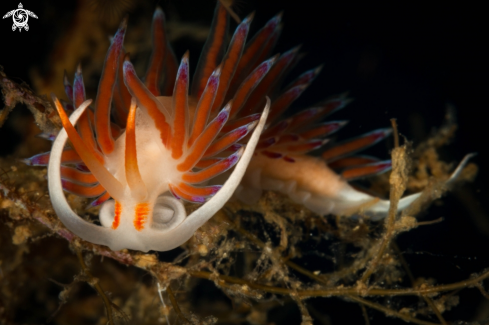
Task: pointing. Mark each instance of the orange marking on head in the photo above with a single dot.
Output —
(117, 215)
(141, 215)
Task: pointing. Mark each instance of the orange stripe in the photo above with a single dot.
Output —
(228, 139)
(267, 48)
(105, 91)
(305, 78)
(204, 140)
(276, 129)
(204, 106)
(199, 191)
(131, 159)
(253, 48)
(249, 85)
(155, 68)
(121, 88)
(42, 159)
(117, 215)
(367, 170)
(99, 200)
(87, 154)
(146, 99)
(180, 109)
(281, 104)
(306, 147)
(352, 161)
(213, 50)
(188, 197)
(211, 171)
(230, 61)
(231, 125)
(354, 145)
(204, 163)
(257, 98)
(86, 133)
(141, 215)
(80, 190)
(323, 130)
(73, 174)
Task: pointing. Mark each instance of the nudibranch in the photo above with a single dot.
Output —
(146, 145)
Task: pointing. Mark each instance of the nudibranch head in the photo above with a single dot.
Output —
(158, 150)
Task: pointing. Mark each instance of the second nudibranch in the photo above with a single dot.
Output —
(169, 139)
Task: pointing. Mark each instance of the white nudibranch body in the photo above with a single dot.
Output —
(143, 147)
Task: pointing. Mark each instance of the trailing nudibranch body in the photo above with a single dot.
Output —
(164, 145)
